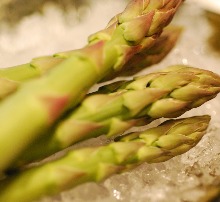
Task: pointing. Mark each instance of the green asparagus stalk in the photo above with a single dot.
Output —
(168, 94)
(7, 87)
(46, 99)
(157, 144)
(160, 49)
(11, 77)
(37, 67)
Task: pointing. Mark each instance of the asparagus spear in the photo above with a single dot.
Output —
(44, 100)
(160, 49)
(7, 87)
(168, 94)
(157, 144)
(37, 67)
(11, 77)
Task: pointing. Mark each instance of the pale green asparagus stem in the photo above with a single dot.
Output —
(157, 144)
(37, 104)
(10, 78)
(37, 67)
(168, 94)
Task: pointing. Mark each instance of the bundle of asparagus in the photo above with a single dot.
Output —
(179, 87)
(158, 144)
(47, 98)
(119, 106)
(132, 40)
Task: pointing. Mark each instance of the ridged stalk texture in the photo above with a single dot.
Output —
(157, 144)
(39, 103)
